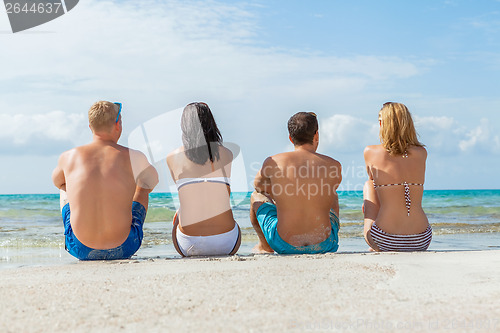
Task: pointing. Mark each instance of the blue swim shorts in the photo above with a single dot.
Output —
(124, 251)
(267, 216)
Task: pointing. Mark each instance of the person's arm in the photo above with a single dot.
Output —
(425, 160)
(262, 181)
(367, 156)
(58, 177)
(335, 203)
(227, 164)
(145, 175)
(148, 178)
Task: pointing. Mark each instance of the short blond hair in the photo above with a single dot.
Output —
(397, 132)
(102, 116)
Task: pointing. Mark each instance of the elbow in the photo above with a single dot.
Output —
(156, 181)
(258, 186)
(155, 177)
(148, 179)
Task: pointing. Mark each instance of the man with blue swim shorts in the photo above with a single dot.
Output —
(104, 191)
(295, 208)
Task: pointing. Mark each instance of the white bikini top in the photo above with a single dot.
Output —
(186, 181)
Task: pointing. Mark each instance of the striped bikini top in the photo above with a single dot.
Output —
(407, 189)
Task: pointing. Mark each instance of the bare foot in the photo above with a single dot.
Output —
(260, 249)
(371, 250)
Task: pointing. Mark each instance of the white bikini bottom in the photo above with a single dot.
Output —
(213, 245)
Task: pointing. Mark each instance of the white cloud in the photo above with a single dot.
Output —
(158, 55)
(40, 133)
(488, 23)
(446, 135)
(347, 134)
(481, 138)
(176, 47)
(443, 135)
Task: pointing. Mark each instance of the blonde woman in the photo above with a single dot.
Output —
(393, 214)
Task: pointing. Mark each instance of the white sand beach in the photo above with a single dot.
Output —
(357, 292)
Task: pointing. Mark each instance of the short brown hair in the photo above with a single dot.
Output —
(102, 115)
(302, 127)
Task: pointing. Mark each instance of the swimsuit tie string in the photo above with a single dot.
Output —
(407, 197)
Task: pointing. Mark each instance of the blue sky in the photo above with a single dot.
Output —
(256, 63)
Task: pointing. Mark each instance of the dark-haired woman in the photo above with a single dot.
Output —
(201, 169)
(394, 218)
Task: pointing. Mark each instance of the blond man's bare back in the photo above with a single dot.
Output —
(100, 187)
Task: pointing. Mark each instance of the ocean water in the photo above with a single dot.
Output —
(31, 230)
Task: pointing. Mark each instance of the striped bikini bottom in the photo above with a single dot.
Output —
(401, 243)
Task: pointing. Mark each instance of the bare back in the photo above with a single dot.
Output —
(100, 186)
(205, 207)
(397, 214)
(303, 184)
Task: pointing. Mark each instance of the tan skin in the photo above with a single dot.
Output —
(303, 186)
(205, 207)
(98, 181)
(386, 206)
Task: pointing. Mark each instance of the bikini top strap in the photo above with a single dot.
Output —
(400, 184)
(406, 194)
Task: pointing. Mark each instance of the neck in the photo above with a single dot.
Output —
(104, 138)
(306, 147)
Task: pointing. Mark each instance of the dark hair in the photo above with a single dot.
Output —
(200, 136)
(302, 127)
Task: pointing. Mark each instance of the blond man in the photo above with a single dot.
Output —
(107, 187)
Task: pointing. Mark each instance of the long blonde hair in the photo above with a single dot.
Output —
(397, 131)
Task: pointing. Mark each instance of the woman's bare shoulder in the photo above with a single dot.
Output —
(373, 149)
(226, 151)
(419, 151)
(174, 155)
